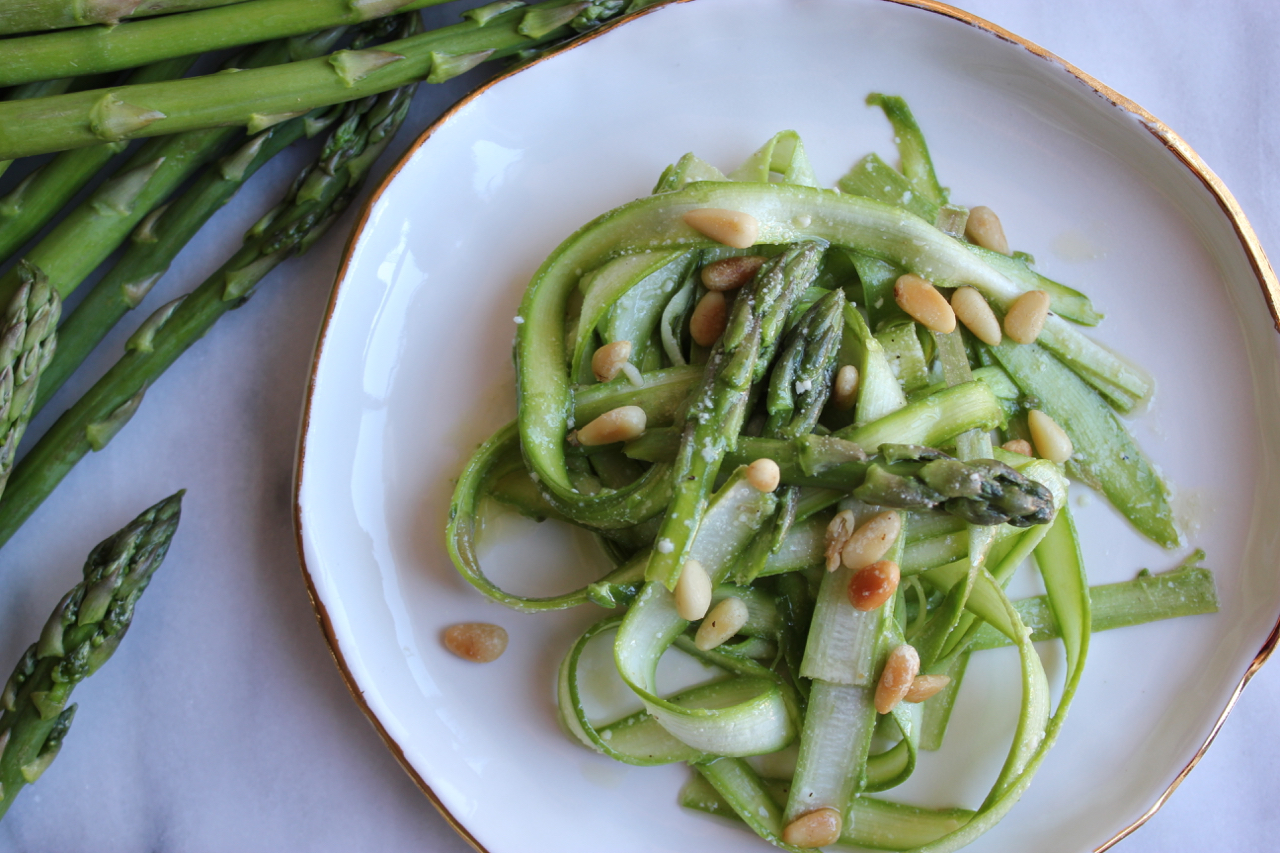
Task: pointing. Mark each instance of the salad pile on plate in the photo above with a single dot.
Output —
(817, 431)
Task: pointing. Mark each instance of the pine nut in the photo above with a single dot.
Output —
(731, 273)
(478, 642)
(724, 620)
(1019, 445)
(730, 227)
(693, 592)
(709, 318)
(871, 586)
(972, 310)
(844, 391)
(1026, 316)
(1050, 439)
(621, 424)
(818, 828)
(764, 475)
(920, 299)
(607, 362)
(984, 228)
(872, 540)
(925, 687)
(899, 673)
(839, 529)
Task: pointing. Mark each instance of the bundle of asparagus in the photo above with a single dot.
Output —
(345, 67)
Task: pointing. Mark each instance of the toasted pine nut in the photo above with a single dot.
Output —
(972, 310)
(839, 529)
(478, 642)
(731, 227)
(731, 273)
(871, 586)
(764, 475)
(899, 673)
(621, 424)
(1051, 440)
(607, 361)
(693, 591)
(709, 318)
(926, 686)
(724, 620)
(872, 540)
(984, 228)
(1019, 445)
(920, 299)
(1026, 316)
(817, 828)
(844, 391)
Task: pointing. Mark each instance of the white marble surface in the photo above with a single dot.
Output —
(222, 723)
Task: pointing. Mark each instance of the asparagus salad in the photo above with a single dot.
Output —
(816, 432)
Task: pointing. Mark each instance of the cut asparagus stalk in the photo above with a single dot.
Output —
(1105, 456)
(1188, 590)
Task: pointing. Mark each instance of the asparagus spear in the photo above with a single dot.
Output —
(93, 230)
(27, 342)
(155, 243)
(260, 97)
(159, 238)
(91, 50)
(803, 370)
(315, 200)
(715, 416)
(801, 380)
(32, 15)
(44, 192)
(83, 631)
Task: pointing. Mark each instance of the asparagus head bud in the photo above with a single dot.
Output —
(83, 631)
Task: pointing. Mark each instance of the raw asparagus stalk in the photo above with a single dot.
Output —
(261, 97)
(44, 192)
(317, 197)
(27, 343)
(159, 238)
(83, 631)
(155, 243)
(92, 50)
(717, 412)
(33, 15)
(94, 229)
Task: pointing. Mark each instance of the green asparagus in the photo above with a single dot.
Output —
(81, 634)
(94, 229)
(261, 97)
(92, 50)
(31, 15)
(717, 411)
(27, 343)
(315, 200)
(41, 194)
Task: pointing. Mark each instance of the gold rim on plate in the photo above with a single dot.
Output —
(1175, 144)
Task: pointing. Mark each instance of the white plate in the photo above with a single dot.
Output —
(413, 370)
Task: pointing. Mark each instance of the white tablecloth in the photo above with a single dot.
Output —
(222, 723)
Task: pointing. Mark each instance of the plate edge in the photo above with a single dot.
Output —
(1174, 143)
